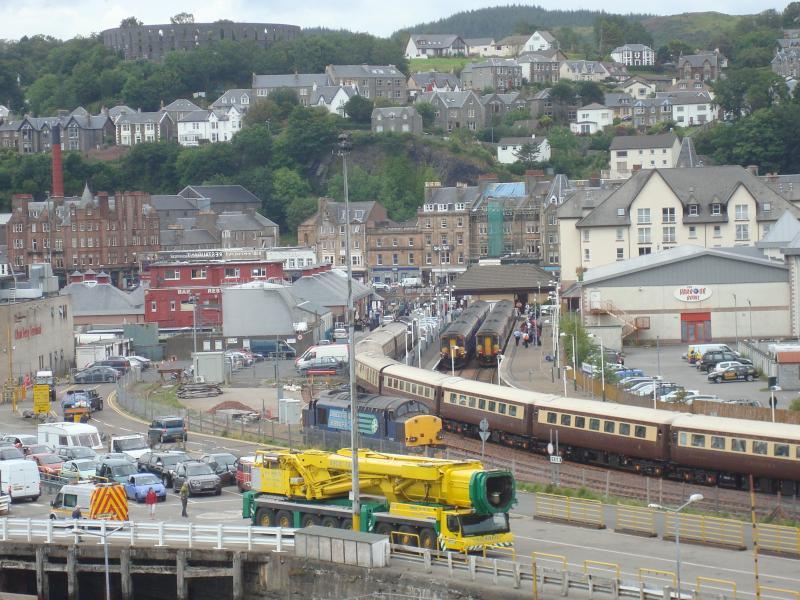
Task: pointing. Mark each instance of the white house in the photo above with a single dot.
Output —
(433, 45)
(483, 47)
(240, 98)
(332, 97)
(631, 153)
(540, 41)
(691, 108)
(4, 112)
(216, 125)
(591, 119)
(634, 55)
(508, 149)
(638, 88)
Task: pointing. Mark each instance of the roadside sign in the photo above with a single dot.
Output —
(484, 425)
(484, 435)
(41, 398)
(550, 448)
(294, 341)
(556, 460)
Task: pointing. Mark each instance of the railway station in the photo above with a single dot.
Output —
(491, 281)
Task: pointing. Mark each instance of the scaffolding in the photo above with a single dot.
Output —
(495, 228)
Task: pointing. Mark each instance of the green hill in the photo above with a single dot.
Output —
(696, 29)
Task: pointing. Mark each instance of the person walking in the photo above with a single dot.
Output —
(150, 499)
(517, 335)
(184, 498)
(539, 334)
(525, 339)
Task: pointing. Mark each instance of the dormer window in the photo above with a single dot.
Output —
(620, 212)
(767, 206)
(694, 210)
(716, 209)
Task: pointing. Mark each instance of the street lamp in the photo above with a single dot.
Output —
(750, 310)
(574, 362)
(564, 377)
(772, 390)
(602, 365)
(103, 533)
(736, 320)
(692, 498)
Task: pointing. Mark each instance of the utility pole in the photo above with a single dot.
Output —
(343, 149)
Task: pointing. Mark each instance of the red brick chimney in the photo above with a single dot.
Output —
(103, 277)
(58, 169)
(76, 277)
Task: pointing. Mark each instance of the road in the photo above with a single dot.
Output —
(577, 544)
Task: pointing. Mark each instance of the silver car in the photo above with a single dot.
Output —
(200, 477)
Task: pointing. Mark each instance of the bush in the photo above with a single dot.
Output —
(795, 404)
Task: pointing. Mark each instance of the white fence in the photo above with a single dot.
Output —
(183, 535)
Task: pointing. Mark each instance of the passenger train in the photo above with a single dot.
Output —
(688, 447)
(494, 332)
(457, 340)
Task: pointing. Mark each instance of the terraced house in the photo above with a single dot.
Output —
(80, 132)
(372, 81)
(456, 110)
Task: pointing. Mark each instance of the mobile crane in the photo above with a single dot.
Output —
(452, 505)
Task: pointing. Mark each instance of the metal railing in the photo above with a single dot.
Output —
(139, 533)
(780, 540)
(712, 531)
(571, 510)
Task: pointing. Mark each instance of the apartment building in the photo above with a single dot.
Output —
(631, 153)
(372, 81)
(394, 251)
(498, 74)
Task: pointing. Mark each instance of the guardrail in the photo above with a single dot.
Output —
(579, 511)
(779, 540)
(136, 533)
(710, 531)
(636, 520)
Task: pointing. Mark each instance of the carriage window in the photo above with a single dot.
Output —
(594, 424)
(452, 398)
(797, 452)
(414, 388)
(608, 426)
(698, 441)
(462, 400)
(781, 450)
(759, 447)
(471, 402)
(624, 429)
(502, 408)
(492, 405)
(580, 422)
(640, 431)
(738, 445)
(551, 417)
(481, 403)
(683, 438)
(566, 420)
(512, 410)
(718, 443)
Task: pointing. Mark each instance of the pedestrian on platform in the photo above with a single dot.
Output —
(525, 339)
(150, 499)
(517, 335)
(539, 334)
(184, 498)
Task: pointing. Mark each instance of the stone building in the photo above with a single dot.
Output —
(394, 251)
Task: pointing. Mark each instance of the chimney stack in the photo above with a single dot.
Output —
(58, 174)
(485, 180)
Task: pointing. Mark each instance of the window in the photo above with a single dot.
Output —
(492, 406)
(198, 273)
(781, 450)
(640, 431)
(231, 272)
(594, 424)
(609, 426)
(566, 420)
(620, 234)
(668, 215)
(767, 206)
(580, 422)
(738, 445)
(642, 216)
(698, 441)
(716, 208)
(379, 259)
(644, 235)
(172, 274)
(741, 212)
(587, 254)
(717, 231)
(395, 260)
(717, 442)
(172, 305)
(153, 306)
(624, 429)
(586, 233)
(760, 447)
(512, 411)
(669, 235)
(410, 242)
(692, 232)
(742, 232)
(551, 418)
(410, 258)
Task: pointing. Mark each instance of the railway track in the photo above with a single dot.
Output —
(475, 372)
(536, 469)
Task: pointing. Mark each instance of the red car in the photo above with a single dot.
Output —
(48, 463)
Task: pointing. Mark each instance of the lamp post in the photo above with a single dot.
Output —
(692, 498)
(772, 390)
(736, 320)
(415, 323)
(602, 365)
(574, 362)
(343, 149)
(103, 533)
(750, 311)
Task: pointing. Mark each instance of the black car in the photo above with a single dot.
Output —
(167, 429)
(89, 395)
(734, 373)
(162, 464)
(224, 466)
(710, 359)
(200, 477)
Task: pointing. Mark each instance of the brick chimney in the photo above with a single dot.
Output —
(430, 189)
(594, 180)
(103, 277)
(58, 169)
(753, 169)
(76, 277)
(485, 180)
(532, 177)
(102, 202)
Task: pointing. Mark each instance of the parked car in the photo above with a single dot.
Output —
(11, 453)
(101, 458)
(340, 333)
(322, 363)
(161, 464)
(678, 394)
(734, 373)
(97, 374)
(139, 484)
(77, 470)
(379, 286)
(224, 466)
(20, 440)
(707, 397)
(167, 429)
(120, 363)
(712, 358)
(36, 449)
(744, 402)
(90, 395)
(75, 452)
(49, 463)
(116, 469)
(199, 475)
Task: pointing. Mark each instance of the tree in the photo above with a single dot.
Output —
(590, 91)
(746, 90)
(427, 112)
(310, 132)
(359, 109)
(678, 48)
(253, 145)
(567, 39)
(795, 404)
(130, 22)
(528, 154)
(182, 18)
(298, 210)
(199, 165)
(791, 15)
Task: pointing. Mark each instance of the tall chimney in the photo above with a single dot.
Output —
(58, 174)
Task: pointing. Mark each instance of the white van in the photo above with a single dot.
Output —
(70, 496)
(70, 434)
(20, 479)
(411, 282)
(695, 351)
(338, 351)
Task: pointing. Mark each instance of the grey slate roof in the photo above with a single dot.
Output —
(479, 41)
(116, 111)
(520, 141)
(455, 195)
(491, 63)
(632, 48)
(549, 37)
(434, 40)
(479, 278)
(394, 112)
(186, 237)
(291, 80)
(170, 202)
(593, 106)
(220, 194)
(687, 97)
(181, 104)
(448, 98)
(354, 71)
(139, 117)
(426, 78)
(102, 299)
(328, 93)
(238, 221)
(698, 60)
(613, 99)
(233, 97)
(577, 201)
(586, 66)
(336, 212)
(629, 142)
(328, 288)
(692, 186)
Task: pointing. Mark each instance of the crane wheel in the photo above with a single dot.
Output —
(407, 536)
(427, 538)
(384, 529)
(265, 518)
(330, 522)
(284, 519)
(309, 520)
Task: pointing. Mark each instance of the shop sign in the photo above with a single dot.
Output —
(693, 293)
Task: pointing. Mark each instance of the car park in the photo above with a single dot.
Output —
(224, 466)
(733, 373)
(161, 464)
(137, 486)
(200, 477)
(97, 374)
(711, 359)
(78, 470)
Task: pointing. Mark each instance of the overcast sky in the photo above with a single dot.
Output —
(67, 18)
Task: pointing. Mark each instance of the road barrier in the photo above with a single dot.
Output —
(579, 511)
(636, 520)
(713, 591)
(784, 594)
(779, 540)
(647, 575)
(708, 531)
(137, 533)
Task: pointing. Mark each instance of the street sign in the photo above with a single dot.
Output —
(484, 435)
(41, 398)
(484, 425)
(550, 448)
(556, 460)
